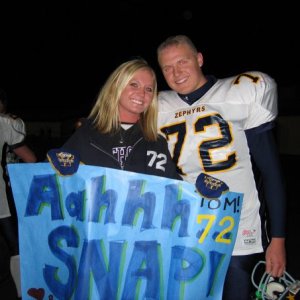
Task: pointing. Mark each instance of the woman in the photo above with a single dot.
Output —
(121, 129)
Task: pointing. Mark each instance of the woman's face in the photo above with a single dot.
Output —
(137, 96)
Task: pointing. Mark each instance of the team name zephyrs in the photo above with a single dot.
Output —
(189, 111)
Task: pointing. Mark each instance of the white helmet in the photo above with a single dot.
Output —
(270, 288)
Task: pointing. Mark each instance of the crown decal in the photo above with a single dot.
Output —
(210, 187)
(64, 162)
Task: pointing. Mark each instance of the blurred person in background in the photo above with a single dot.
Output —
(12, 149)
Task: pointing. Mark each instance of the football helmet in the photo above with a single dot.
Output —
(270, 288)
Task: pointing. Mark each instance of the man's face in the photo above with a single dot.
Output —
(181, 68)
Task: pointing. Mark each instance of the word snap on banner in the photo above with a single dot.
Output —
(102, 233)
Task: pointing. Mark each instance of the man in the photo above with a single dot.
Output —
(211, 126)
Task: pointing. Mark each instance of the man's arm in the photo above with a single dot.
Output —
(264, 152)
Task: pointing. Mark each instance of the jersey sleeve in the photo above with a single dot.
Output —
(14, 131)
(259, 90)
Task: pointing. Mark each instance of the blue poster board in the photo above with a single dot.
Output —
(108, 234)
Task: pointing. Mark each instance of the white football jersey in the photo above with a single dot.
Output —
(209, 137)
(12, 133)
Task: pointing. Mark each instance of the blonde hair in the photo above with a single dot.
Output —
(175, 41)
(105, 113)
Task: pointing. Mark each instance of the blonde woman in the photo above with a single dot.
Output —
(121, 129)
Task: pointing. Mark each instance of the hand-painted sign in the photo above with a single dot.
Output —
(108, 234)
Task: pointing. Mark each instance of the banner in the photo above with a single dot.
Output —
(108, 234)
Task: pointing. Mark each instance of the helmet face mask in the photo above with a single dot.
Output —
(270, 288)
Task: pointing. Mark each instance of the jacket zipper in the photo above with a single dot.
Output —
(134, 145)
(103, 151)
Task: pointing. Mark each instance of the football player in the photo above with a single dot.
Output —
(218, 126)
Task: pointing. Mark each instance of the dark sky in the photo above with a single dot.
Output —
(56, 56)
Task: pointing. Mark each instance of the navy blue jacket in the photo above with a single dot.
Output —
(95, 148)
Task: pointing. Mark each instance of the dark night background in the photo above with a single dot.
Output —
(54, 57)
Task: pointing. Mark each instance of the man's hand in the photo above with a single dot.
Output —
(276, 257)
